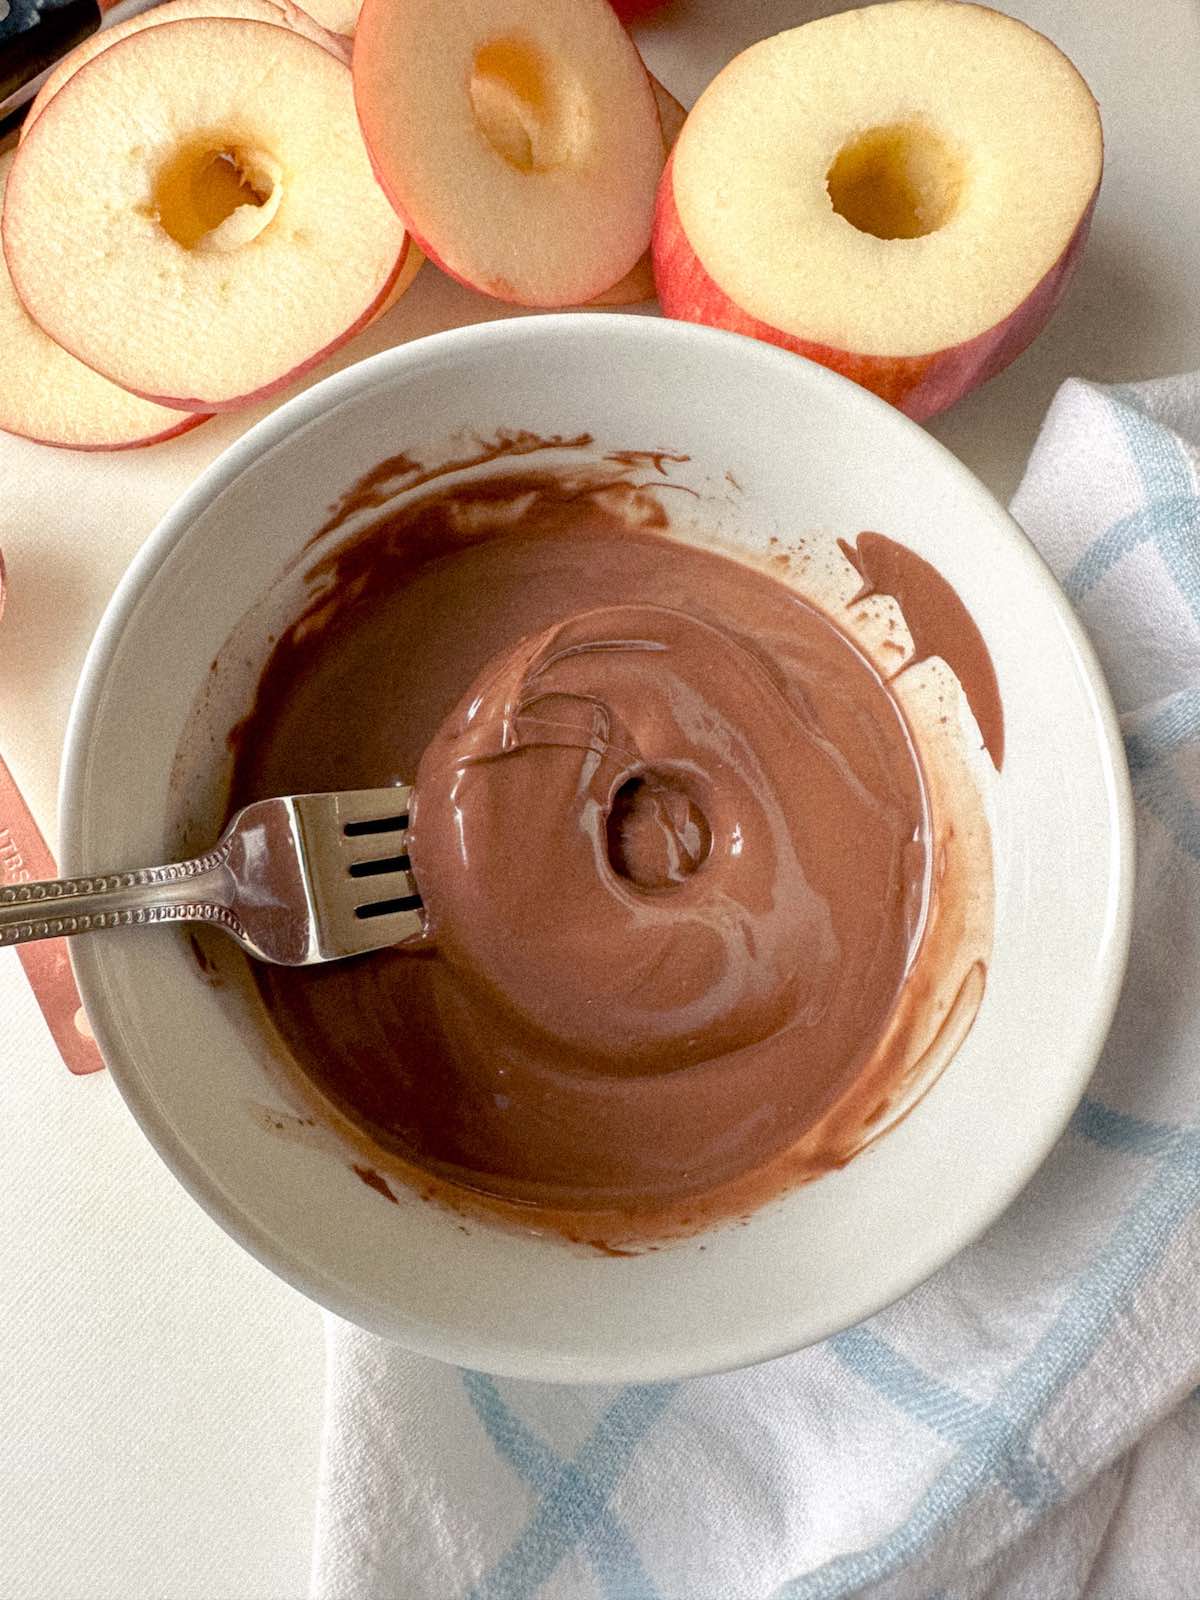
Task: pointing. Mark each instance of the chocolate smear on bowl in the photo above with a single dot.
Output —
(703, 909)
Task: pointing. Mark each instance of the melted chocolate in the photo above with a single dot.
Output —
(374, 1180)
(400, 472)
(670, 828)
(939, 623)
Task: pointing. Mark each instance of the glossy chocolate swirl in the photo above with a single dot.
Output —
(704, 854)
(671, 831)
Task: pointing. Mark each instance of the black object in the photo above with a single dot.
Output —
(34, 34)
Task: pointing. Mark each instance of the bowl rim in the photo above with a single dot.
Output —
(459, 344)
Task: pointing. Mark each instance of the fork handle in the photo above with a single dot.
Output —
(186, 891)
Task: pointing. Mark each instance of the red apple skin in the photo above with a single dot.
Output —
(920, 386)
(500, 291)
(207, 408)
(187, 421)
(240, 402)
(498, 288)
(337, 45)
(635, 288)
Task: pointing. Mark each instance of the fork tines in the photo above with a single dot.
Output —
(375, 827)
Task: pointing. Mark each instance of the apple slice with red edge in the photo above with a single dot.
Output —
(517, 139)
(284, 15)
(638, 283)
(51, 398)
(194, 215)
(900, 193)
(414, 260)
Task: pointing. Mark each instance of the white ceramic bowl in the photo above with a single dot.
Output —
(808, 449)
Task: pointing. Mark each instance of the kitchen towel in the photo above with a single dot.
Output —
(1026, 1425)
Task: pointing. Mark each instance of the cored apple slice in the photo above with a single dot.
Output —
(900, 192)
(638, 283)
(194, 215)
(518, 139)
(284, 15)
(51, 398)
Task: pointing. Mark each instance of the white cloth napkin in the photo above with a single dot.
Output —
(1023, 1425)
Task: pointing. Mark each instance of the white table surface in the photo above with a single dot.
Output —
(161, 1396)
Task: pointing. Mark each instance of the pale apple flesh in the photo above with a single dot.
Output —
(921, 386)
(283, 15)
(49, 397)
(637, 285)
(194, 215)
(901, 193)
(518, 141)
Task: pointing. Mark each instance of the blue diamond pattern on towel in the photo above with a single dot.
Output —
(876, 1465)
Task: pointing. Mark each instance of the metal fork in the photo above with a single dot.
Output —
(302, 879)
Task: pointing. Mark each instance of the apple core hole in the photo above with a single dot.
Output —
(900, 181)
(656, 834)
(529, 110)
(213, 196)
